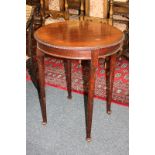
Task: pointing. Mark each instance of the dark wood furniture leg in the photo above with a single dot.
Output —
(110, 79)
(41, 76)
(93, 68)
(68, 78)
(30, 40)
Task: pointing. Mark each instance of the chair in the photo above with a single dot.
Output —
(98, 10)
(33, 22)
(121, 11)
(29, 29)
(105, 11)
(60, 10)
(75, 9)
(121, 21)
(52, 10)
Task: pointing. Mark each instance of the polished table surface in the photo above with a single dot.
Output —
(81, 40)
(78, 35)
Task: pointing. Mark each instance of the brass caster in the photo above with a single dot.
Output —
(88, 140)
(44, 123)
(109, 112)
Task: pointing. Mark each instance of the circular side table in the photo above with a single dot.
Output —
(81, 40)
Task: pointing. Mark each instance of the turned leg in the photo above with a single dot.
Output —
(110, 80)
(93, 67)
(68, 78)
(41, 78)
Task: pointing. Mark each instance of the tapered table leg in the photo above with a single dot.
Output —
(93, 67)
(68, 78)
(110, 79)
(41, 78)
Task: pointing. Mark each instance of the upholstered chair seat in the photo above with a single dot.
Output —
(50, 20)
(120, 17)
(120, 26)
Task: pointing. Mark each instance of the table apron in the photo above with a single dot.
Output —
(78, 54)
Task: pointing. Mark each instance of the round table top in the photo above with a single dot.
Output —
(79, 35)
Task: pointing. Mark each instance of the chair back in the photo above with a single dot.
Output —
(63, 8)
(99, 10)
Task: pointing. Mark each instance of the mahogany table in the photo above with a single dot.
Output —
(81, 40)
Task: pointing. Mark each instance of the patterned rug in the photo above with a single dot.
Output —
(55, 77)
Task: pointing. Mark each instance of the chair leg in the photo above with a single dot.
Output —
(110, 79)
